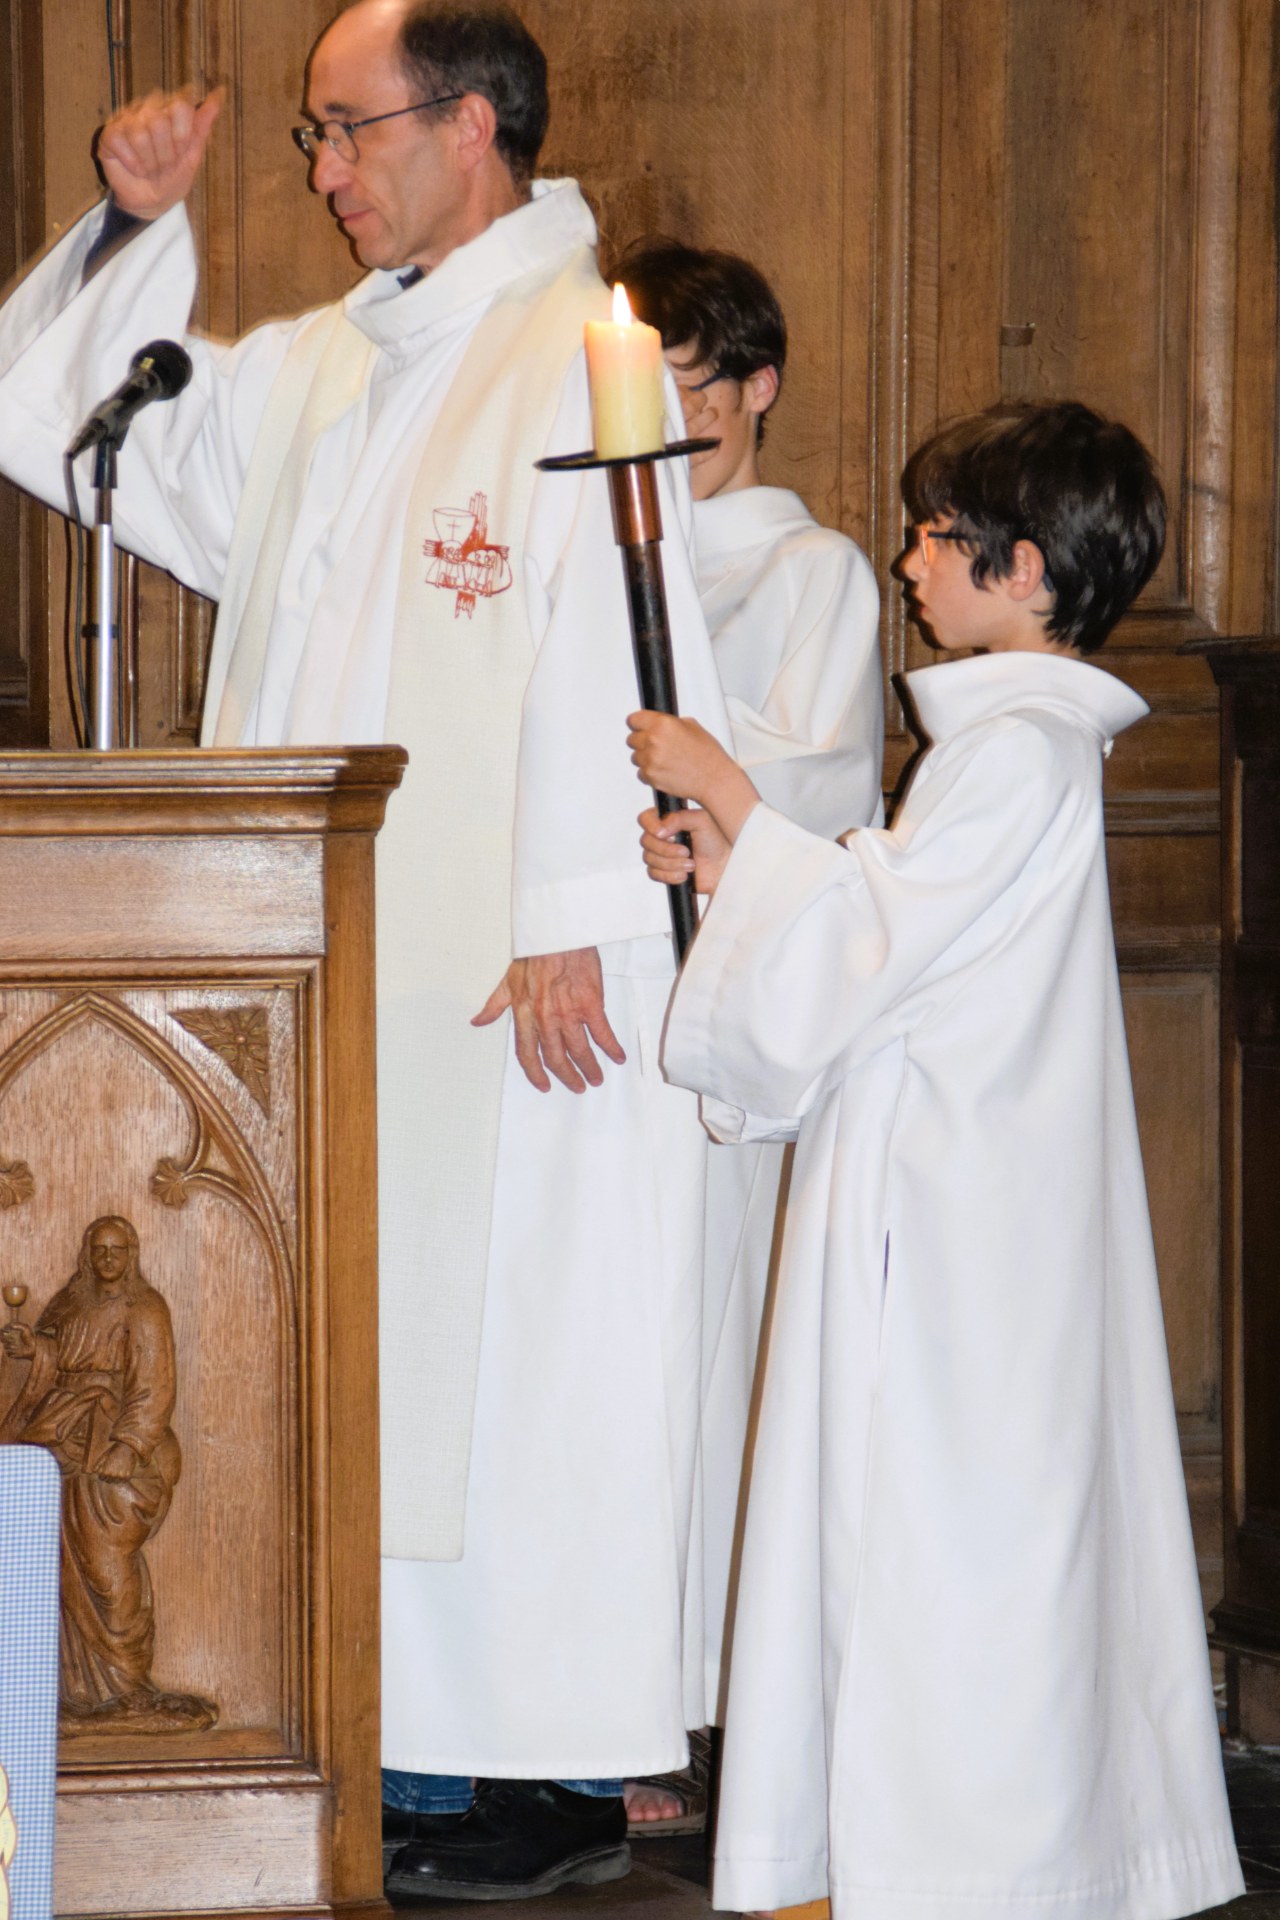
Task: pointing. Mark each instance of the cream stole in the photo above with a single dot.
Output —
(444, 857)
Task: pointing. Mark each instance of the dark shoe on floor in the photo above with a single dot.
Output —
(521, 1838)
(399, 1827)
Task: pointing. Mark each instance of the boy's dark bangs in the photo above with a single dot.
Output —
(929, 481)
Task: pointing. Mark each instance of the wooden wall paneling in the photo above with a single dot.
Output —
(724, 125)
(1248, 1618)
(254, 264)
(952, 242)
(977, 173)
(271, 246)
(1209, 505)
(1103, 122)
(24, 689)
(876, 286)
(1072, 244)
(1252, 398)
(75, 51)
(1172, 1023)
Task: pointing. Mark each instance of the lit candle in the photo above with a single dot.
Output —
(624, 369)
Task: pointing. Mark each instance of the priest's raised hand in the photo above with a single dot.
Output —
(150, 151)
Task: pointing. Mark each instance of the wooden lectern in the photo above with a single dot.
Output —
(188, 1220)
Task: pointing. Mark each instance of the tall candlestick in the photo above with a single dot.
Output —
(624, 370)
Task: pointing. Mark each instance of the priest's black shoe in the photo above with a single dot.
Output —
(399, 1827)
(521, 1838)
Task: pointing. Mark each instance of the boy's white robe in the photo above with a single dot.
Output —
(580, 1474)
(970, 1672)
(793, 612)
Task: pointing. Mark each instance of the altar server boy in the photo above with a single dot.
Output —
(794, 617)
(970, 1673)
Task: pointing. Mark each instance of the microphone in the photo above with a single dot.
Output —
(156, 372)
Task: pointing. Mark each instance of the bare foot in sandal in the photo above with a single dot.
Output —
(675, 1802)
(645, 1801)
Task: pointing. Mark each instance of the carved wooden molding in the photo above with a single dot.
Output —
(16, 1184)
(240, 1036)
(212, 1128)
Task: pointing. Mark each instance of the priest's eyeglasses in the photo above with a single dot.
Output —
(341, 134)
(920, 539)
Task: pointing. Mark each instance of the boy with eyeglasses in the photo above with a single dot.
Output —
(970, 1672)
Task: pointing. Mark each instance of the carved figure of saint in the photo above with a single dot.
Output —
(99, 1396)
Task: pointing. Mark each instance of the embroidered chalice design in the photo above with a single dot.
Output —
(462, 560)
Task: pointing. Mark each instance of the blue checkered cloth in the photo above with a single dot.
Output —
(30, 1505)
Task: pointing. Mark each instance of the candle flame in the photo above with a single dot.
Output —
(622, 315)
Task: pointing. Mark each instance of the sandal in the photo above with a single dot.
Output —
(690, 1785)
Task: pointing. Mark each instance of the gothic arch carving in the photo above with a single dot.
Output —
(212, 1129)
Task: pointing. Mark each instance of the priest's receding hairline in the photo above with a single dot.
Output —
(366, 15)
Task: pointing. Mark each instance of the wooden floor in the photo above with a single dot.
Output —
(668, 1878)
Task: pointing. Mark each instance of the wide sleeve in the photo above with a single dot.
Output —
(150, 1379)
(815, 746)
(578, 879)
(814, 955)
(64, 346)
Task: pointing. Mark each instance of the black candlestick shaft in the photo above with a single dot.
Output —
(655, 674)
(637, 526)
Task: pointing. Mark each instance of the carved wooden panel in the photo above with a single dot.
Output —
(117, 1106)
(186, 1039)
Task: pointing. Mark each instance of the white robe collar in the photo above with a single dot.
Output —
(731, 521)
(963, 693)
(545, 230)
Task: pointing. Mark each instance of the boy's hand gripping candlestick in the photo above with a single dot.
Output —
(624, 367)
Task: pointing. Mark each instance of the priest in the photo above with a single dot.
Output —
(357, 490)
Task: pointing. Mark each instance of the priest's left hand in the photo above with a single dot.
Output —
(557, 1003)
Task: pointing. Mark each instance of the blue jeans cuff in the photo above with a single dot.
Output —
(451, 1792)
(425, 1792)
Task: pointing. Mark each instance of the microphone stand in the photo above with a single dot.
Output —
(157, 372)
(100, 630)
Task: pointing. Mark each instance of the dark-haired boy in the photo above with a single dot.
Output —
(793, 612)
(970, 1673)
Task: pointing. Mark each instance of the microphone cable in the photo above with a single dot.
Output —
(73, 635)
